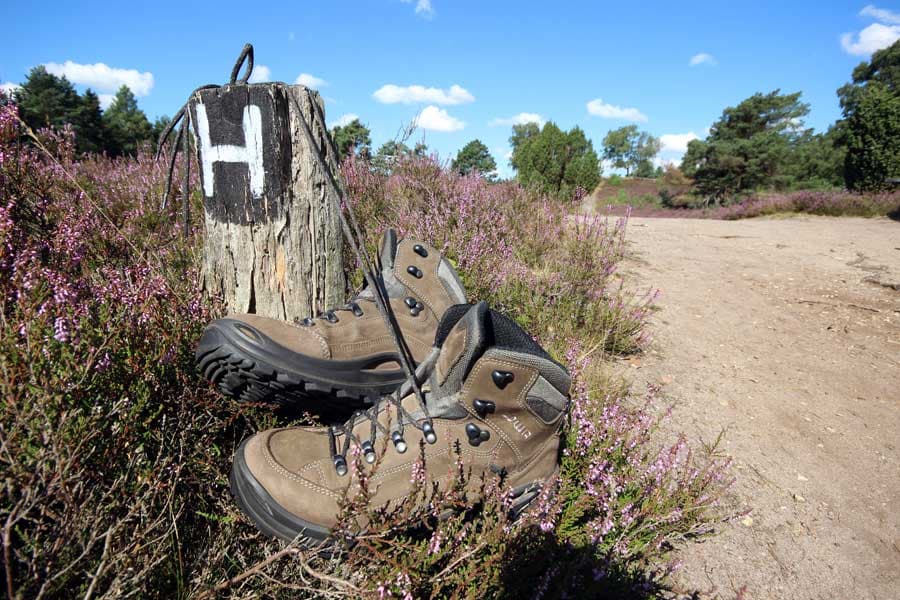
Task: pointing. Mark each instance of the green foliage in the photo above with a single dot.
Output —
(46, 100)
(90, 132)
(387, 156)
(630, 149)
(749, 146)
(816, 163)
(870, 129)
(474, 157)
(553, 160)
(126, 124)
(353, 138)
(157, 127)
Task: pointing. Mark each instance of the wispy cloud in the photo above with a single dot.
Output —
(106, 100)
(433, 118)
(9, 87)
(880, 14)
(411, 94)
(704, 58)
(599, 108)
(519, 119)
(103, 77)
(874, 37)
(310, 81)
(423, 8)
(344, 120)
(261, 74)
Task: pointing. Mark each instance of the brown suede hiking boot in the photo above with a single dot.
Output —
(348, 353)
(489, 390)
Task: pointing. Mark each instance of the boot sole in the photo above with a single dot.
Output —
(245, 364)
(274, 521)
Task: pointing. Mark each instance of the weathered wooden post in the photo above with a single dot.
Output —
(273, 237)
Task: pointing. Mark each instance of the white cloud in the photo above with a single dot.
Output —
(423, 8)
(874, 37)
(395, 94)
(106, 100)
(676, 142)
(880, 14)
(344, 120)
(102, 77)
(261, 74)
(518, 119)
(703, 58)
(310, 81)
(599, 108)
(433, 118)
(9, 87)
(672, 148)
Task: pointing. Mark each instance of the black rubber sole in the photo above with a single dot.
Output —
(274, 521)
(245, 364)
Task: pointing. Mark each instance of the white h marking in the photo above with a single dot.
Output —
(251, 154)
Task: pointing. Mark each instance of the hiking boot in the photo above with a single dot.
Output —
(491, 392)
(348, 354)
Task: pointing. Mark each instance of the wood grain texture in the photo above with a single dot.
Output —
(278, 254)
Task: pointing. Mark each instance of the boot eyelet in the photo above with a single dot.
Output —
(430, 435)
(410, 301)
(476, 435)
(483, 407)
(420, 250)
(502, 378)
(307, 322)
(340, 464)
(399, 442)
(331, 317)
(357, 311)
(414, 271)
(368, 452)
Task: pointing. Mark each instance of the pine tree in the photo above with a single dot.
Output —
(126, 124)
(90, 131)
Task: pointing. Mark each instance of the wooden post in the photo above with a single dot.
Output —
(273, 237)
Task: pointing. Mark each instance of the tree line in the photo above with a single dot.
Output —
(46, 100)
(761, 143)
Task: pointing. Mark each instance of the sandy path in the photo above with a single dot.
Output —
(785, 333)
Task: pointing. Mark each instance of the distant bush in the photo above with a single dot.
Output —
(815, 203)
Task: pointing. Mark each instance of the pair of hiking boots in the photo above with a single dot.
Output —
(484, 393)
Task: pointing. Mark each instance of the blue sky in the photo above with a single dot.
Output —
(477, 64)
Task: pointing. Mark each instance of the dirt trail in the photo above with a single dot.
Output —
(785, 333)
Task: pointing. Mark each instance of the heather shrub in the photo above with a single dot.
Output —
(828, 203)
(516, 248)
(115, 454)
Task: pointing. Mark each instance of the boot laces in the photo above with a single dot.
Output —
(345, 433)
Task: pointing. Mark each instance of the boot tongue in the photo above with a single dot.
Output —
(388, 250)
(463, 335)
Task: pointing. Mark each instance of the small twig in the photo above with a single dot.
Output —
(100, 567)
(460, 559)
(329, 578)
(258, 567)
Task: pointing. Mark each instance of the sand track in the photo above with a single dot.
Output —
(786, 334)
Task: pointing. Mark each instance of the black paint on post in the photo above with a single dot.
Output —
(237, 128)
